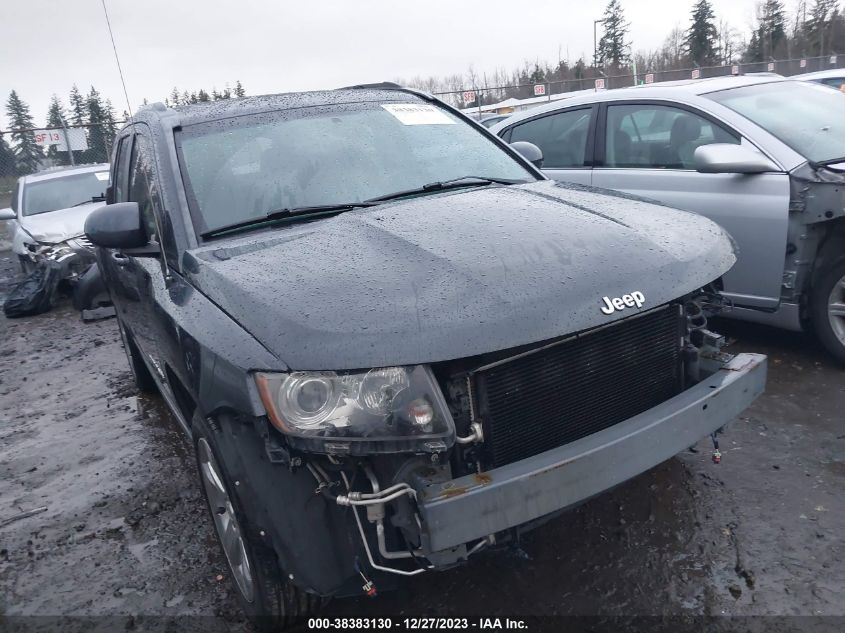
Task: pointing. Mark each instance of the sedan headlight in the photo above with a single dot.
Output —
(387, 410)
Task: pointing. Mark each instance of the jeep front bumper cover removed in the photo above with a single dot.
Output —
(475, 506)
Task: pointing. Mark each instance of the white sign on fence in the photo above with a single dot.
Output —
(833, 59)
(539, 90)
(599, 84)
(803, 63)
(469, 96)
(696, 73)
(649, 78)
(56, 138)
(771, 67)
(734, 70)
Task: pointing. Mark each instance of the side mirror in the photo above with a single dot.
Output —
(726, 158)
(529, 152)
(116, 226)
(7, 214)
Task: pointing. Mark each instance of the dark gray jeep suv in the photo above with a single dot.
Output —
(392, 341)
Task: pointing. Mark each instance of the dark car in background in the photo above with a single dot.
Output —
(394, 342)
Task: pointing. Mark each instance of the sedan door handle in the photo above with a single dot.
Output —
(119, 258)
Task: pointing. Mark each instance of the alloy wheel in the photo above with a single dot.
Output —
(225, 521)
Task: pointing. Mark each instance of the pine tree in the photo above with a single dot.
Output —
(109, 123)
(7, 159)
(202, 96)
(77, 106)
(215, 96)
(27, 152)
(174, 97)
(239, 89)
(227, 93)
(702, 35)
(55, 119)
(613, 49)
(769, 36)
(818, 26)
(98, 151)
(185, 99)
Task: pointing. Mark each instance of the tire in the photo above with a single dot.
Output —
(144, 380)
(25, 264)
(827, 309)
(269, 600)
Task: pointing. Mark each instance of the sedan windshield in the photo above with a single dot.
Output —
(71, 190)
(807, 117)
(248, 167)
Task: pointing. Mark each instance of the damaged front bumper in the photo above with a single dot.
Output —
(74, 255)
(463, 510)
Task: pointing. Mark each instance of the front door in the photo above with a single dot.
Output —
(647, 149)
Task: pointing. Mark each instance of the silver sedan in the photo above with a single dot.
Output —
(762, 156)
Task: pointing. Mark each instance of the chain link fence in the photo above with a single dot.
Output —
(23, 152)
(472, 97)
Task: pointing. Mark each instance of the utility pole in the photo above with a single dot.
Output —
(595, 43)
(67, 141)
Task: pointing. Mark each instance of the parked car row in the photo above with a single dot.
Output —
(764, 157)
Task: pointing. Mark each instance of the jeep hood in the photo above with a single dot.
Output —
(60, 225)
(456, 274)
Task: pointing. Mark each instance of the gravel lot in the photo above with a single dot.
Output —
(125, 532)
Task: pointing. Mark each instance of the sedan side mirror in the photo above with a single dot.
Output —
(7, 214)
(727, 158)
(529, 152)
(116, 226)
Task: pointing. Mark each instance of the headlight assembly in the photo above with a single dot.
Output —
(387, 410)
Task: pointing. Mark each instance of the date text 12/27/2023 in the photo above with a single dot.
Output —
(416, 624)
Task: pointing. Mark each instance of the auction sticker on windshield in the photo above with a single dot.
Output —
(417, 114)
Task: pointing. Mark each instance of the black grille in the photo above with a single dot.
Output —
(567, 391)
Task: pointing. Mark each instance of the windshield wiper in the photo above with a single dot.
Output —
(442, 185)
(280, 214)
(815, 164)
(88, 201)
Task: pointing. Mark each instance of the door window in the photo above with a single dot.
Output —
(120, 181)
(139, 185)
(658, 137)
(561, 136)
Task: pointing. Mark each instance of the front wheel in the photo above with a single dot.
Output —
(268, 599)
(827, 306)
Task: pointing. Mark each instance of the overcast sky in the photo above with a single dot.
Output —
(276, 46)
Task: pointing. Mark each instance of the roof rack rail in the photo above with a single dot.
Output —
(383, 85)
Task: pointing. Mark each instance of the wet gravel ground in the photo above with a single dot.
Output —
(125, 531)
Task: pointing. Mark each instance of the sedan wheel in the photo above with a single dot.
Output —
(836, 309)
(827, 309)
(225, 522)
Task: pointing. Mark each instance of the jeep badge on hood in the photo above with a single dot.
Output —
(625, 301)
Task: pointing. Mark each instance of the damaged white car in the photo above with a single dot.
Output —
(48, 213)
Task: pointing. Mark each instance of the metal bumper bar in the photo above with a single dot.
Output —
(471, 507)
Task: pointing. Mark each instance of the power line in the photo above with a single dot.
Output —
(117, 59)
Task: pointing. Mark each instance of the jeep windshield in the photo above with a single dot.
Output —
(245, 170)
(803, 115)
